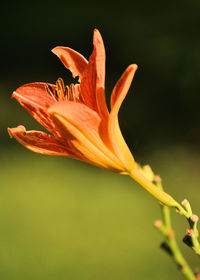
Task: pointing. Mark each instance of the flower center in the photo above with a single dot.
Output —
(64, 93)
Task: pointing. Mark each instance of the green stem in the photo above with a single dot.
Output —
(192, 235)
(159, 194)
(172, 243)
(179, 259)
(137, 174)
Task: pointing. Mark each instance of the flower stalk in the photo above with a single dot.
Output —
(137, 175)
(152, 183)
(170, 244)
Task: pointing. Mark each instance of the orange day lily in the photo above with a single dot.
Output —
(77, 117)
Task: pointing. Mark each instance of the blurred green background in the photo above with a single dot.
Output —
(60, 218)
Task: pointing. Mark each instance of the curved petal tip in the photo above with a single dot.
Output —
(122, 86)
(15, 130)
(133, 67)
(97, 35)
(71, 59)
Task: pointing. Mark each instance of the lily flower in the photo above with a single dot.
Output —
(76, 116)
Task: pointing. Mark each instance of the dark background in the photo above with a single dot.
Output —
(159, 120)
(162, 38)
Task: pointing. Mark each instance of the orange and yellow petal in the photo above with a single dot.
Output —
(119, 92)
(34, 94)
(72, 60)
(93, 81)
(35, 98)
(80, 124)
(39, 142)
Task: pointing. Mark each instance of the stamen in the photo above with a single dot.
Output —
(72, 92)
(60, 89)
(67, 93)
(62, 93)
(50, 91)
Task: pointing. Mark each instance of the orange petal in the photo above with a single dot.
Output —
(72, 60)
(119, 92)
(35, 99)
(34, 94)
(39, 142)
(82, 124)
(93, 81)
